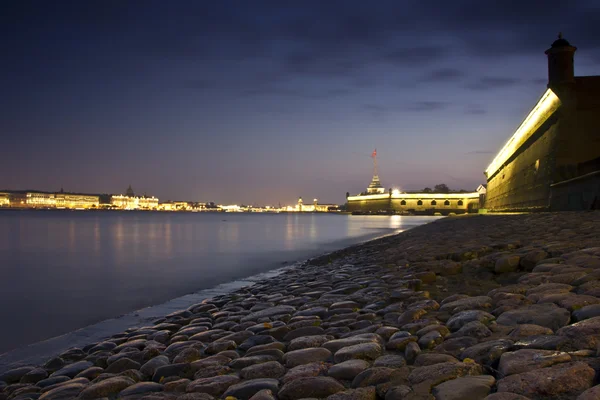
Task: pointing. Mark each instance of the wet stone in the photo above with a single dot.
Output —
(64, 392)
(469, 303)
(247, 389)
(244, 362)
(178, 385)
(487, 353)
(586, 312)
(182, 370)
(543, 342)
(73, 369)
(305, 356)
(335, 345)
(214, 386)
(462, 318)
(380, 375)
(348, 370)
(316, 387)
(516, 362)
(366, 393)
(547, 315)
(187, 355)
(52, 381)
(411, 351)
(308, 341)
(141, 388)
(567, 379)
(150, 367)
(254, 341)
(305, 331)
(455, 346)
(106, 388)
(425, 359)
(305, 371)
(438, 373)
(90, 373)
(430, 340)
(468, 387)
(122, 365)
(525, 330)
(473, 329)
(363, 351)
(217, 347)
(271, 369)
(390, 361)
(34, 376)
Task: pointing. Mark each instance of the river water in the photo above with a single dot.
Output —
(64, 270)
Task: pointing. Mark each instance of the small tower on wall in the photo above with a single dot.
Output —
(561, 69)
(129, 192)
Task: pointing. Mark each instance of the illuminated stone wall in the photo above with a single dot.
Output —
(524, 183)
(419, 203)
(541, 168)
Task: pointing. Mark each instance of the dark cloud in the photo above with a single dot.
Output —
(443, 75)
(493, 82)
(475, 109)
(296, 92)
(415, 56)
(424, 106)
(198, 84)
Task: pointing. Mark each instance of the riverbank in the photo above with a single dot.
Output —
(460, 308)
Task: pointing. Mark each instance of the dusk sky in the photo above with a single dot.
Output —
(260, 102)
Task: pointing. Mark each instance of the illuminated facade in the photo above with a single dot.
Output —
(417, 203)
(552, 161)
(134, 203)
(312, 207)
(4, 199)
(40, 200)
(78, 201)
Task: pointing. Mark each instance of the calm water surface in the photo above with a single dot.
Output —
(63, 270)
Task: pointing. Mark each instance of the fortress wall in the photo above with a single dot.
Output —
(524, 182)
(412, 205)
(578, 148)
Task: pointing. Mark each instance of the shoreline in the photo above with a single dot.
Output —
(30, 354)
(476, 305)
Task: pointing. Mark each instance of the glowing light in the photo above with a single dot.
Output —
(547, 105)
(395, 192)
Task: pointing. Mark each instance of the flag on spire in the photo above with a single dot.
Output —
(374, 153)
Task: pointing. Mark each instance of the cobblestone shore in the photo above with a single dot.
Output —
(497, 307)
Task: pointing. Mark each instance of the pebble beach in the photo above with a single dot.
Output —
(495, 307)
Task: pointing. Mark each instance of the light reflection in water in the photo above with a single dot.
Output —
(116, 262)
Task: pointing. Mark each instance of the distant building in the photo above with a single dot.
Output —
(134, 203)
(552, 161)
(395, 201)
(4, 199)
(40, 200)
(131, 202)
(313, 207)
(176, 206)
(76, 200)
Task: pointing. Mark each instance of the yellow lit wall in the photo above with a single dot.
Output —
(134, 203)
(4, 200)
(44, 200)
(419, 202)
(545, 107)
(68, 200)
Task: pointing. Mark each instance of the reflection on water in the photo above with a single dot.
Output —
(63, 270)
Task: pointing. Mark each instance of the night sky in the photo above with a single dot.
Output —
(264, 101)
